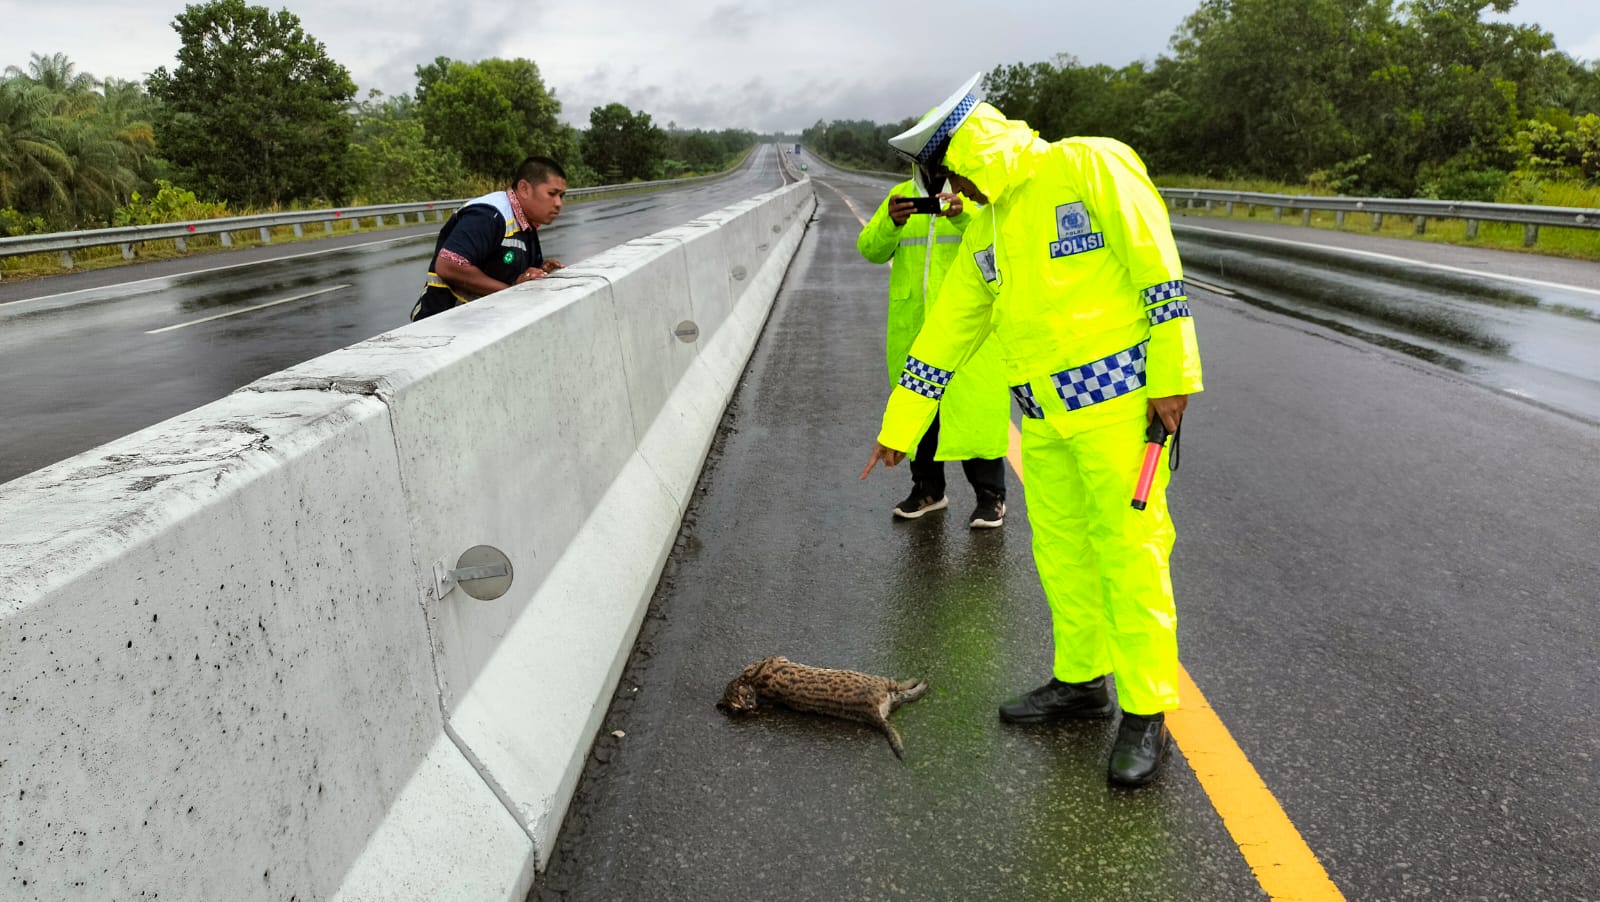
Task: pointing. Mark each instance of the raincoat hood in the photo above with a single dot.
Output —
(994, 152)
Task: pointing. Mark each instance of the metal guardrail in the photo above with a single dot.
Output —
(1530, 217)
(131, 236)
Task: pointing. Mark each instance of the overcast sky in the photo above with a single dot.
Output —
(755, 64)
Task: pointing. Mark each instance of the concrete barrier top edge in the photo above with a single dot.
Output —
(66, 516)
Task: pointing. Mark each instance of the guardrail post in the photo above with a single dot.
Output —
(1338, 219)
(1472, 228)
(266, 235)
(1305, 216)
(1377, 221)
(1208, 206)
(378, 220)
(1530, 235)
(66, 259)
(355, 223)
(327, 226)
(1230, 208)
(182, 244)
(1422, 225)
(298, 231)
(127, 250)
(1277, 214)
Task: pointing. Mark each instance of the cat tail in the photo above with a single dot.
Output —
(894, 739)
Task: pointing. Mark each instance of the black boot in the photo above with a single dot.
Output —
(1140, 751)
(1056, 700)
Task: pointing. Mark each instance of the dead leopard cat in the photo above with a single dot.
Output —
(839, 693)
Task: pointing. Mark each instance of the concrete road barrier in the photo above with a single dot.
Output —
(226, 669)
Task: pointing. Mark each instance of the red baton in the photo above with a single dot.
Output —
(1156, 437)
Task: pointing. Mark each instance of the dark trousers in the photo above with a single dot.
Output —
(987, 475)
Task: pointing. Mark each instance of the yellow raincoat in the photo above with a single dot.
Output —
(976, 407)
(1074, 268)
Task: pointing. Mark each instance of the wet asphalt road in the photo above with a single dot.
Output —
(1386, 583)
(81, 367)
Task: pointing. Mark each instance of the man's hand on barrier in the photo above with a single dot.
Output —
(533, 272)
(553, 265)
(887, 456)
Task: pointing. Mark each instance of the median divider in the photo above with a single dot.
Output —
(227, 666)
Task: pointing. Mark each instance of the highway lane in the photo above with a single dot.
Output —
(92, 356)
(1385, 576)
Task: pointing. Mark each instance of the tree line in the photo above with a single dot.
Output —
(1420, 98)
(254, 114)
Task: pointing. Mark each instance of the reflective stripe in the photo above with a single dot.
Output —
(925, 389)
(928, 372)
(1030, 407)
(435, 282)
(1103, 379)
(942, 239)
(1168, 311)
(1166, 291)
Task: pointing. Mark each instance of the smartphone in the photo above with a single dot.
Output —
(928, 205)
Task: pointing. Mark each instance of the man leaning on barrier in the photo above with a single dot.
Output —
(492, 242)
(1075, 269)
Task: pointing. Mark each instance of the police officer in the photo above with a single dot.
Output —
(493, 241)
(1076, 270)
(975, 413)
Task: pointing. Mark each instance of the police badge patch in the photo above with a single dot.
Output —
(985, 259)
(1074, 231)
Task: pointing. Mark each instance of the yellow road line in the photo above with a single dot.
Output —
(1277, 854)
(1272, 846)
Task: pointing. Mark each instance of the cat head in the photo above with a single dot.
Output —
(741, 696)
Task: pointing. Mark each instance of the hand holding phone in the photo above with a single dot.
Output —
(928, 205)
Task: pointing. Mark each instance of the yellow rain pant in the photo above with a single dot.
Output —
(1104, 564)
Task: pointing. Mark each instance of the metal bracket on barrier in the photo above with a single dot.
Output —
(483, 572)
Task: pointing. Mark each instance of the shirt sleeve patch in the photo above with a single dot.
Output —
(455, 258)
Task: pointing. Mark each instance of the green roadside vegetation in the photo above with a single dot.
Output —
(1577, 244)
(1436, 99)
(254, 116)
(176, 205)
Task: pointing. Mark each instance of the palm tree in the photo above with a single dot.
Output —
(33, 167)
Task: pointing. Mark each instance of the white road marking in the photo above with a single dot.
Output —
(1393, 259)
(201, 272)
(1214, 289)
(196, 322)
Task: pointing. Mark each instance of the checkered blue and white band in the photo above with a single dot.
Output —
(1102, 380)
(1166, 291)
(935, 145)
(925, 379)
(1091, 383)
(1168, 311)
(1025, 400)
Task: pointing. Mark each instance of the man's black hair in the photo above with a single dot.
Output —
(537, 171)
